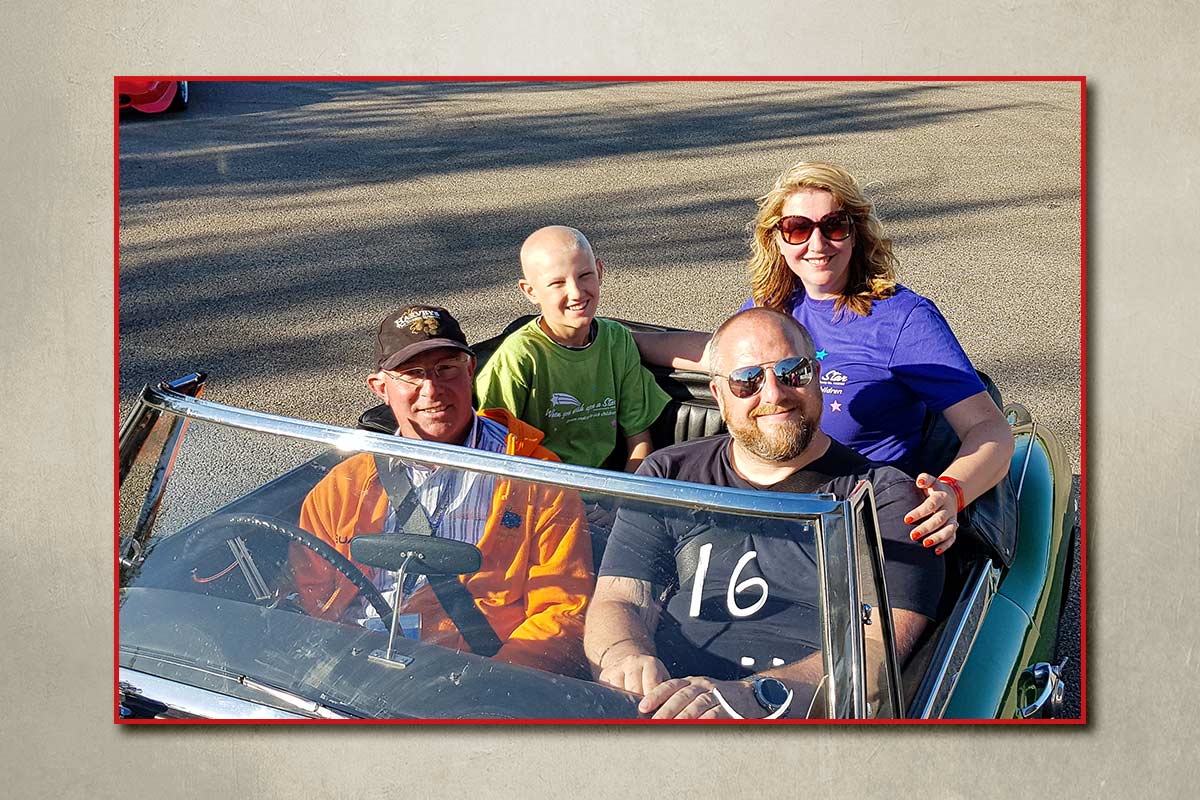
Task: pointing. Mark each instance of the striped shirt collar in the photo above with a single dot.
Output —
(485, 434)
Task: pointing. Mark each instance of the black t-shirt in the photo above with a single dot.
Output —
(757, 602)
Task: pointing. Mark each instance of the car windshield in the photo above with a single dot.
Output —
(259, 579)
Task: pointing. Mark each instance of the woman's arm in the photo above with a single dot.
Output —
(676, 349)
(982, 460)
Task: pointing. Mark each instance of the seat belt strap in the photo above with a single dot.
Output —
(449, 590)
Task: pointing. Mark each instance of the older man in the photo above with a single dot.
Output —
(676, 652)
(536, 576)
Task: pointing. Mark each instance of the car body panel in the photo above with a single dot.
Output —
(1026, 581)
(1019, 629)
(147, 96)
(984, 684)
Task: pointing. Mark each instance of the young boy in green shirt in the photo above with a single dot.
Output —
(577, 378)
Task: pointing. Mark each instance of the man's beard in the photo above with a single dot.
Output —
(781, 442)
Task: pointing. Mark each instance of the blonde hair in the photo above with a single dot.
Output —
(872, 274)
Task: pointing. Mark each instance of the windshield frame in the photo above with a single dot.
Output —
(833, 520)
(635, 487)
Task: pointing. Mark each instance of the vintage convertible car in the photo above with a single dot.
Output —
(213, 624)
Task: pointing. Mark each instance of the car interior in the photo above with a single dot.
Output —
(693, 413)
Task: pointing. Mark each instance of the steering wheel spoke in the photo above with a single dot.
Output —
(261, 524)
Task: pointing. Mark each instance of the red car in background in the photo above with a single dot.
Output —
(151, 97)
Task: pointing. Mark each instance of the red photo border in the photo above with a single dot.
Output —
(1081, 80)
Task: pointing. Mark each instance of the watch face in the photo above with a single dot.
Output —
(772, 691)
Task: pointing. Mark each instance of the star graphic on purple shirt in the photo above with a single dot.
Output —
(821, 355)
(835, 406)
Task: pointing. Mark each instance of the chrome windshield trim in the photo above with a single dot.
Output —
(863, 498)
(675, 493)
(966, 619)
(841, 635)
(195, 702)
(857, 642)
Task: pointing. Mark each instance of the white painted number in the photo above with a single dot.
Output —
(698, 583)
(735, 588)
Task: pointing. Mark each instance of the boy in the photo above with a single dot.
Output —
(577, 378)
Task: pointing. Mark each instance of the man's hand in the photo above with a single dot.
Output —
(637, 672)
(693, 698)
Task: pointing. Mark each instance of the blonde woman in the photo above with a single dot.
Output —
(886, 355)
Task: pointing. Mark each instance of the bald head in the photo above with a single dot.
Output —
(553, 244)
(756, 324)
(561, 276)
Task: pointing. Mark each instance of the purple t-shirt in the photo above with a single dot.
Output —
(880, 373)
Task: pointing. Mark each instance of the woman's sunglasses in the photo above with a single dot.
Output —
(835, 227)
(748, 381)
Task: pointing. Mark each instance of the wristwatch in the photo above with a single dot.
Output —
(770, 693)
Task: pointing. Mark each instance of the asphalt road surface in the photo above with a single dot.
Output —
(265, 231)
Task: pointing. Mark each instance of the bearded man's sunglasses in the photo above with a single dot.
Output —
(835, 227)
(748, 381)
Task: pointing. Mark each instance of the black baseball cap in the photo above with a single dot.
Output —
(413, 330)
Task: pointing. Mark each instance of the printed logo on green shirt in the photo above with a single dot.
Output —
(571, 410)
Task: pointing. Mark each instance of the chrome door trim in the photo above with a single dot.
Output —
(864, 496)
(955, 643)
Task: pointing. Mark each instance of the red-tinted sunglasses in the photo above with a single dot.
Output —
(748, 381)
(835, 227)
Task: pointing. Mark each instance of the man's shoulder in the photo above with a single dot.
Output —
(521, 438)
(352, 474)
(890, 482)
(846, 467)
(357, 464)
(686, 457)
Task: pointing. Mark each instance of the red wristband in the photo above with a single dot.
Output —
(958, 492)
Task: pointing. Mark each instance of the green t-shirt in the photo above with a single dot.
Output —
(585, 400)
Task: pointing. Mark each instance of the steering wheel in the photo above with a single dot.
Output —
(261, 524)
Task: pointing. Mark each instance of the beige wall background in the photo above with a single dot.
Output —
(57, 400)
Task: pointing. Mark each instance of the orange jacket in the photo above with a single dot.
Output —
(533, 586)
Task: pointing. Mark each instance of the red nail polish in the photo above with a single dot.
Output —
(938, 552)
(914, 536)
(929, 544)
(908, 520)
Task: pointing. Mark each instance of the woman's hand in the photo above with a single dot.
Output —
(938, 515)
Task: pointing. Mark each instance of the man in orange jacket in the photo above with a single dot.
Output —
(537, 573)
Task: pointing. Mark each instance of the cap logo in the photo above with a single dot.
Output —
(421, 321)
(427, 326)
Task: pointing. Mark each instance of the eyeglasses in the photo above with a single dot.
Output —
(835, 227)
(443, 371)
(748, 381)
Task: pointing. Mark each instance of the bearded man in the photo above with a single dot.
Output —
(653, 631)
